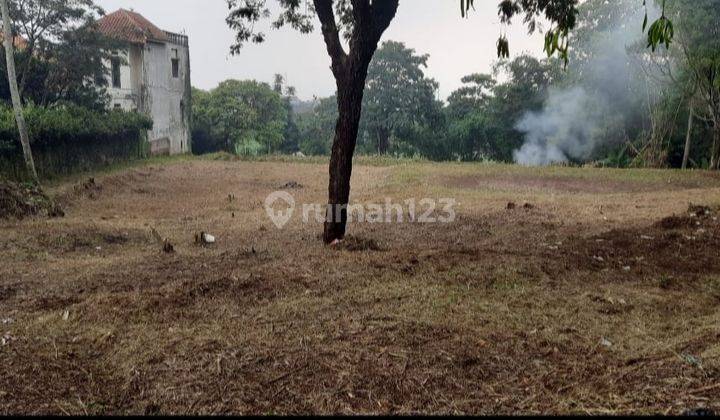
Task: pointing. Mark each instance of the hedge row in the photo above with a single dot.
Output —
(70, 138)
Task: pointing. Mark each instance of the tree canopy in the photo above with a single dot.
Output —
(243, 117)
(697, 61)
(398, 95)
(62, 52)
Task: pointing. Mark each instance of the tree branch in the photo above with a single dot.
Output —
(361, 13)
(324, 10)
(383, 12)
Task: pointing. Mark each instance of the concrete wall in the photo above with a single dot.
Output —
(148, 85)
(166, 98)
(124, 97)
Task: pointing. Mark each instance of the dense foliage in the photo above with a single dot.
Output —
(242, 117)
(617, 104)
(291, 134)
(71, 123)
(398, 97)
(696, 66)
(317, 127)
(475, 124)
(69, 138)
(61, 51)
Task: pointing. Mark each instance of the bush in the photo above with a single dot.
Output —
(70, 138)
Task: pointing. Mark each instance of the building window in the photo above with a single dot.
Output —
(118, 106)
(115, 64)
(176, 68)
(175, 64)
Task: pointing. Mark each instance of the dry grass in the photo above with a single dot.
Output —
(500, 312)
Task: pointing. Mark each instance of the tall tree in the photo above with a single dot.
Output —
(699, 55)
(62, 52)
(691, 73)
(317, 127)
(397, 93)
(8, 39)
(45, 22)
(291, 135)
(482, 114)
(243, 117)
(474, 95)
(363, 23)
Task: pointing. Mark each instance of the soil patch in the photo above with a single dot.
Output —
(23, 200)
(678, 245)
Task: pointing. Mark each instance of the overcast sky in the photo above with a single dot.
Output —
(457, 47)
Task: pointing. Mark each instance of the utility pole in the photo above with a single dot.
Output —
(12, 81)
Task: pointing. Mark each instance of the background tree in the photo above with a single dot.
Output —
(482, 114)
(397, 94)
(44, 23)
(291, 136)
(646, 96)
(204, 135)
(242, 117)
(608, 57)
(62, 52)
(698, 56)
(473, 96)
(317, 127)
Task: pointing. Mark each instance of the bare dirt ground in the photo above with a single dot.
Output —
(595, 300)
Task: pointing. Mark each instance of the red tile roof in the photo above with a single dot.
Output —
(130, 26)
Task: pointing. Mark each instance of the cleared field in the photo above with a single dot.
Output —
(591, 300)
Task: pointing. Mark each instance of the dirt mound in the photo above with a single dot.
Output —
(679, 244)
(677, 222)
(89, 189)
(695, 218)
(22, 200)
(701, 211)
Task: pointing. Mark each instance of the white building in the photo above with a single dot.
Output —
(151, 75)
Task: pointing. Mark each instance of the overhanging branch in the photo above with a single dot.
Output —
(330, 33)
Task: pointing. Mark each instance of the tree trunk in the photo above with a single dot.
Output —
(350, 71)
(350, 96)
(688, 139)
(383, 141)
(715, 152)
(12, 82)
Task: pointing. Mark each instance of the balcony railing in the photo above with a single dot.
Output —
(177, 39)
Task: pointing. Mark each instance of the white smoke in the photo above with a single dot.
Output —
(563, 128)
(569, 126)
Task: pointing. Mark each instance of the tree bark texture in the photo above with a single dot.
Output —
(350, 72)
(14, 93)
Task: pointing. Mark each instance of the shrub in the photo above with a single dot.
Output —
(70, 138)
